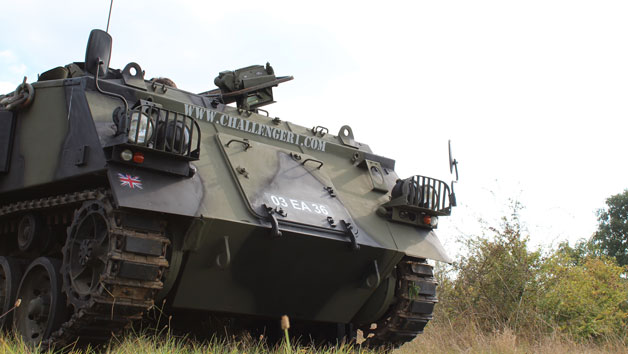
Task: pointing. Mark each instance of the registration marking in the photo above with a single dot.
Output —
(301, 205)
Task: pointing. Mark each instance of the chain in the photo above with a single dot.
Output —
(21, 98)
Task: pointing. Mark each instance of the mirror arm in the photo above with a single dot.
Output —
(121, 124)
(452, 196)
(126, 104)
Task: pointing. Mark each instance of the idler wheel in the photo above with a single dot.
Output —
(10, 276)
(85, 253)
(43, 306)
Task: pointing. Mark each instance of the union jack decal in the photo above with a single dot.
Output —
(130, 181)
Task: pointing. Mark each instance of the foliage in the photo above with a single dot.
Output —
(496, 281)
(612, 233)
(584, 299)
(503, 285)
(580, 252)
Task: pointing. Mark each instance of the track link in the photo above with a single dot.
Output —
(128, 285)
(407, 317)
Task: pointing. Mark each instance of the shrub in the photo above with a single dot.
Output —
(584, 299)
(496, 283)
(502, 285)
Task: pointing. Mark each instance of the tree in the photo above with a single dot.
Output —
(612, 234)
(580, 252)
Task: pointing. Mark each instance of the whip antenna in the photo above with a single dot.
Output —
(109, 18)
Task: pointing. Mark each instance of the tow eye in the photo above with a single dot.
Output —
(273, 220)
(351, 233)
(373, 278)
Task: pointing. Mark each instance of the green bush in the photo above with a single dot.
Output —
(496, 283)
(501, 284)
(584, 299)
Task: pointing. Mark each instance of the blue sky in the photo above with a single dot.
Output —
(534, 94)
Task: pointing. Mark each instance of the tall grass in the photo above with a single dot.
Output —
(467, 337)
(166, 343)
(439, 337)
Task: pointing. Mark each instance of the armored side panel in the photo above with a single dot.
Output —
(53, 140)
(7, 125)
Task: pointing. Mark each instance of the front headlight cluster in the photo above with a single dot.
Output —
(170, 136)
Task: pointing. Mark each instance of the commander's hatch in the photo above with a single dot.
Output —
(291, 188)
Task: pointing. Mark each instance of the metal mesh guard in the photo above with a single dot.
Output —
(167, 131)
(422, 194)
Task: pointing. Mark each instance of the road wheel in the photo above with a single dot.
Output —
(10, 276)
(43, 306)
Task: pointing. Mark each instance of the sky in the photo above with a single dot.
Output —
(532, 94)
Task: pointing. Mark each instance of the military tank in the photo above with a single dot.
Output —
(118, 193)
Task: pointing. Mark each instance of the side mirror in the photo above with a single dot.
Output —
(98, 48)
(453, 163)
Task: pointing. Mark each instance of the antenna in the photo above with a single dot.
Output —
(109, 18)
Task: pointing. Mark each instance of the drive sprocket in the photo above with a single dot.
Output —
(111, 274)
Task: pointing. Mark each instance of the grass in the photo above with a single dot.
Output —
(466, 338)
(438, 338)
(150, 342)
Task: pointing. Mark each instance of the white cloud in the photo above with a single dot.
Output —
(7, 56)
(17, 69)
(7, 87)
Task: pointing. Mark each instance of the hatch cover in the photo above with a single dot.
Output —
(293, 183)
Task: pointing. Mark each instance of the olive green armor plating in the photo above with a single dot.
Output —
(116, 189)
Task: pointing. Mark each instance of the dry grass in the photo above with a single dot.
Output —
(438, 338)
(168, 344)
(445, 338)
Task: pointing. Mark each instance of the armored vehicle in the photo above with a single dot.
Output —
(119, 193)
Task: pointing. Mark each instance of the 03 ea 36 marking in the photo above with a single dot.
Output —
(297, 204)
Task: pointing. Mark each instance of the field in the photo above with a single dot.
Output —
(438, 338)
(443, 338)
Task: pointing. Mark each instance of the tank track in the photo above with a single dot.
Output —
(118, 300)
(407, 317)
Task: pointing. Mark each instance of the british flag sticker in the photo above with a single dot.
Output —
(130, 181)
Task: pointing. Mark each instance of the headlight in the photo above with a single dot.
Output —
(429, 197)
(177, 137)
(141, 123)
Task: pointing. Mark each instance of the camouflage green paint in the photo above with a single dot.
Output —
(42, 130)
(226, 257)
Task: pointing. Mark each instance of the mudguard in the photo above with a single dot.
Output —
(423, 244)
(139, 188)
